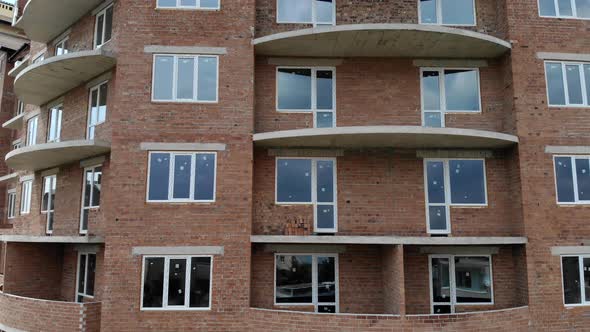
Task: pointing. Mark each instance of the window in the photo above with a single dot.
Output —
(61, 47)
(32, 131)
(307, 280)
(11, 210)
(20, 107)
(104, 26)
(54, 128)
(90, 194)
(192, 4)
(452, 182)
(447, 12)
(572, 179)
(97, 111)
(48, 200)
(568, 83)
(86, 275)
(565, 8)
(448, 91)
(316, 12)
(460, 280)
(25, 198)
(185, 78)
(181, 177)
(309, 181)
(308, 90)
(177, 282)
(39, 58)
(16, 144)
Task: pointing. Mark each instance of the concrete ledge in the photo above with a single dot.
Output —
(321, 153)
(202, 250)
(149, 146)
(462, 63)
(185, 49)
(406, 240)
(304, 248)
(382, 40)
(322, 62)
(11, 176)
(570, 250)
(563, 56)
(552, 149)
(51, 239)
(15, 123)
(16, 70)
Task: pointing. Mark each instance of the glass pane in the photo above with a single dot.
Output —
(325, 90)
(441, 285)
(205, 176)
(564, 179)
(108, 25)
(457, 12)
(587, 80)
(467, 181)
(435, 175)
(583, 177)
(565, 7)
(571, 280)
(473, 281)
(93, 107)
(209, 3)
(294, 89)
(159, 176)
(324, 10)
(437, 217)
(176, 281)
(428, 11)
(163, 77)
(87, 187)
(207, 86)
(586, 268)
(583, 8)
(99, 27)
(326, 280)
(324, 119)
(102, 103)
(200, 282)
(45, 197)
(81, 273)
(182, 176)
(293, 279)
(433, 119)
(294, 11)
(53, 189)
(294, 180)
(547, 8)
(166, 3)
(555, 83)
(462, 90)
(153, 282)
(325, 215)
(574, 85)
(50, 221)
(186, 78)
(96, 186)
(431, 90)
(84, 222)
(91, 274)
(442, 309)
(325, 181)
(327, 309)
(191, 3)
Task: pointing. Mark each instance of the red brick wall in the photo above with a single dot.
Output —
(392, 258)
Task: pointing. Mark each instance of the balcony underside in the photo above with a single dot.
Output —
(49, 79)
(389, 240)
(382, 40)
(43, 20)
(44, 156)
(404, 137)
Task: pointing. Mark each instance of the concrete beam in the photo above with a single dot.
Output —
(8, 177)
(322, 62)
(552, 149)
(202, 250)
(570, 250)
(461, 63)
(152, 146)
(184, 49)
(304, 248)
(51, 239)
(563, 56)
(407, 240)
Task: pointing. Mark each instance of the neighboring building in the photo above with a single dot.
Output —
(296, 165)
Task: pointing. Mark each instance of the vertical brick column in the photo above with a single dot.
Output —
(393, 279)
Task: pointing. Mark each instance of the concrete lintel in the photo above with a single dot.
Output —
(552, 149)
(102, 6)
(7, 177)
(304, 248)
(570, 250)
(152, 146)
(201, 250)
(93, 161)
(52, 171)
(407, 240)
(306, 152)
(61, 36)
(563, 56)
(55, 102)
(30, 115)
(51, 239)
(454, 154)
(27, 177)
(320, 62)
(459, 250)
(87, 248)
(471, 63)
(185, 49)
(99, 79)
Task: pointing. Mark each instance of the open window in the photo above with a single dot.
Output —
(48, 201)
(86, 276)
(91, 190)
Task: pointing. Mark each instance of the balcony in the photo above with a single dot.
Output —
(43, 20)
(382, 40)
(406, 137)
(15, 122)
(48, 155)
(49, 79)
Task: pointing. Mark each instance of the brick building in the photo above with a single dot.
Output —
(296, 165)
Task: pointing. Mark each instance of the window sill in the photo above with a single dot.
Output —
(174, 309)
(180, 202)
(184, 102)
(189, 9)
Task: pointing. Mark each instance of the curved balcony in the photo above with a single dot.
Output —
(15, 122)
(382, 40)
(48, 155)
(405, 137)
(49, 79)
(43, 20)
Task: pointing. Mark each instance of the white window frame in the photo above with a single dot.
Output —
(585, 97)
(32, 127)
(442, 93)
(197, 7)
(90, 125)
(583, 302)
(17, 144)
(448, 203)
(314, 280)
(90, 206)
(574, 15)
(83, 293)
(314, 98)
(20, 107)
(165, 306)
(26, 194)
(452, 283)
(53, 181)
(57, 125)
(313, 15)
(175, 79)
(103, 13)
(39, 58)
(62, 42)
(577, 200)
(11, 203)
(439, 17)
(171, 178)
(314, 201)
